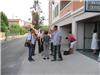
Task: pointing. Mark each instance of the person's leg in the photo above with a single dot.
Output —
(51, 48)
(44, 51)
(55, 52)
(34, 46)
(39, 46)
(59, 52)
(33, 49)
(72, 47)
(48, 51)
(30, 53)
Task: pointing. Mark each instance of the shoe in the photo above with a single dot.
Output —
(33, 54)
(44, 58)
(51, 54)
(53, 60)
(31, 59)
(60, 59)
(48, 58)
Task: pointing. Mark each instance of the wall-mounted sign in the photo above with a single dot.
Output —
(92, 5)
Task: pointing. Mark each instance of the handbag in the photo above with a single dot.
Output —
(27, 42)
(66, 53)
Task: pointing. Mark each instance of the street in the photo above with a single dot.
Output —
(11, 54)
(14, 62)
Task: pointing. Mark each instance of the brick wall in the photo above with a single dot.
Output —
(77, 4)
(66, 9)
(73, 6)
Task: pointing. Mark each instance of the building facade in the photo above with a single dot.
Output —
(70, 15)
(16, 21)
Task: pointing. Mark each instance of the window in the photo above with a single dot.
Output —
(56, 11)
(64, 3)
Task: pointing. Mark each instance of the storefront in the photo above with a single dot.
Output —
(85, 30)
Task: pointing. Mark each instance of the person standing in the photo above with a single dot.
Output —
(57, 44)
(51, 41)
(40, 42)
(33, 45)
(46, 40)
(94, 43)
(31, 40)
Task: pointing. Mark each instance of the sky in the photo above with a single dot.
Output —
(21, 8)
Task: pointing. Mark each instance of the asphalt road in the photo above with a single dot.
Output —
(11, 54)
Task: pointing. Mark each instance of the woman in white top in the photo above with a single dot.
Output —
(94, 43)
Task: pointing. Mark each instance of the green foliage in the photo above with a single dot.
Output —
(44, 27)
(3, 28)
(23, 31)
(17, 30)
(4, 22)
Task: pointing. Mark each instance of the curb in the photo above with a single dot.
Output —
(12, 38)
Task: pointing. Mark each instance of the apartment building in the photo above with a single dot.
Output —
(78, 16)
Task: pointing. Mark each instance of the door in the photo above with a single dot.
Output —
(88, 30)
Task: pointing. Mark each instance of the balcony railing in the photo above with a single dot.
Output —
(70, 6)
(66, 9)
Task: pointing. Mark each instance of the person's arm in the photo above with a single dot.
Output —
(60, 36)
(41, 38)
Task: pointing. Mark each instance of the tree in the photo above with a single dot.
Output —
(4, 22)
(17, 30)
(36, 20)
(44, 27)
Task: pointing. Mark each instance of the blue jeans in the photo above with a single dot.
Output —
(30, 52)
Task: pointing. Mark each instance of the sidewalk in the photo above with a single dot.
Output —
(75, 64)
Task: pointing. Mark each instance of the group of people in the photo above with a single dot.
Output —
(47, 39)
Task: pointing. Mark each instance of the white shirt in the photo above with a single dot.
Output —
(56, 38)
(40, 35)
(51, 40)
(32, 38)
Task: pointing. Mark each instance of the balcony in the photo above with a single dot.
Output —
(65, 7)
(70, 6)
(63, 3)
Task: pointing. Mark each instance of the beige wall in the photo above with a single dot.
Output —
(19, 22)
(2, 35)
